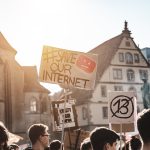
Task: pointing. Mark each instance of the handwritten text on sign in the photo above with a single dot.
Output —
(122, 107)
(74, 69)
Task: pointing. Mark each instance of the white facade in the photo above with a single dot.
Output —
(124, 73)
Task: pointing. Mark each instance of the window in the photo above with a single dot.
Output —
(84, 113)
(103, 91)
(105, 112)
(127, 43)
(129, 58)
(33, 105)
(136, 58)
(117, 74)
(133, 89)
(121, 57)
(143, 74)
(130, 75)
(118, 88)
(44, 106)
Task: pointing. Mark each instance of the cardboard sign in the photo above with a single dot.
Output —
(130, 127)
(68, 68)
(122, 107)
(64, 112)
(73, 139)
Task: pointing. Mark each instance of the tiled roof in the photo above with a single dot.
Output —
(31, 80)
(5, 45)
(105, 53)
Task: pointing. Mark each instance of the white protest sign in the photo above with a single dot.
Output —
(122, 107)
(69, 117)
(69, 68)
(63, 113)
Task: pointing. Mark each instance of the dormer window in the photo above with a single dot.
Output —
(127, 43)
(129, 58)
(136, 58)
(121, 57)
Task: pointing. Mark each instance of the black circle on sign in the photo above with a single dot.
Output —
(127, 100)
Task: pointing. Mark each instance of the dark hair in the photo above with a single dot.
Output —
(13, 146)
(135, 143)
(35, 131)
(55, 145)
(101, 136)
(143, 124)
(3, 136)
(86, 144)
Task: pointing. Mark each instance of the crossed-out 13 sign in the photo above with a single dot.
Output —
(122, 107)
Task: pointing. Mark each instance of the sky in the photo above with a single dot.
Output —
(78, 25)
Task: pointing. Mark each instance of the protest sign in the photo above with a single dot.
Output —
(122, 107)
(68, 68)
(130, 127)
(64, 112)
(73, 139)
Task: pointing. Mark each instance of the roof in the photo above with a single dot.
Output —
(105, 53)
(107, 50)
(5, 45)
(31, 80)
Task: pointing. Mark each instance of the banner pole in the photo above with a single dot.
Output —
(63, 123)
(120, 136)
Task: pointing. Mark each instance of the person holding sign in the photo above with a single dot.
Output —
(39, 137)
(143, 125)
(103, 138)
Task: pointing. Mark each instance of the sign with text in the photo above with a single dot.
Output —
(68, 68)
(64, 112)
(122, 107)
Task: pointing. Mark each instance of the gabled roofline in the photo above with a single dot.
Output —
(5, 45)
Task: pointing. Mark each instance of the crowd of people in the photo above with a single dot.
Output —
(101, 138)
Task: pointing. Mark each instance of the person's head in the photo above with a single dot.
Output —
(135, 143)
(39, 133)
(103, 138)
(86, 144)
(14, 147)
(143, 125)
(55, 145)
(3, 136)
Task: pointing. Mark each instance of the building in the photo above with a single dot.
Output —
(23, 100)
(146, 53)
(121, 66)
